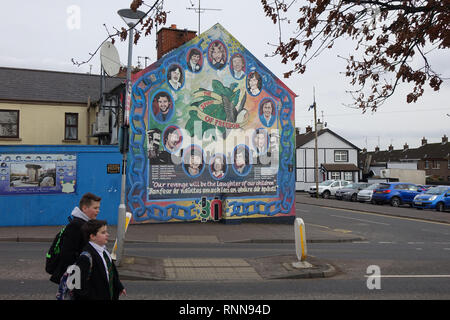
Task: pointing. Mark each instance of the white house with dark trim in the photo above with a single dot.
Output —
(337, 158)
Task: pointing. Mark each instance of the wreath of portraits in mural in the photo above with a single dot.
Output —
(167, 138)
(163, 107)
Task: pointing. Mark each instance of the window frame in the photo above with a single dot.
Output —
(340, 153)
(17, 124)
(348, 174)
(66, 126)
(333, 173)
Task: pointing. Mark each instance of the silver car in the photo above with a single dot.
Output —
(350, 192)
(365, 195)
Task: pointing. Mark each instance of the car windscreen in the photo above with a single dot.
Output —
(372, 186)
(437, 190)
(326, 183)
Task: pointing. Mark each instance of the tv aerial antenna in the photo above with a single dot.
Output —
(200, 10)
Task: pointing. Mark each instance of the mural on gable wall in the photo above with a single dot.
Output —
(209, 122)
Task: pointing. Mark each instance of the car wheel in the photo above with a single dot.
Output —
(440, 207)
(353, 198)
(326, 194)
(395, 202)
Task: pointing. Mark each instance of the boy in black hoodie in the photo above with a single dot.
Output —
(73, 240)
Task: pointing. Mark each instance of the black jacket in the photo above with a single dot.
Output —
(94, 283)
(72, 243)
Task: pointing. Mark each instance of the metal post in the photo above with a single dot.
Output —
(316, 155)
(125, 127)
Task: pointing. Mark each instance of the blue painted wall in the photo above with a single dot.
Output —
(53, 209)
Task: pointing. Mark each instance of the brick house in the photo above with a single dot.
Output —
(434, 158)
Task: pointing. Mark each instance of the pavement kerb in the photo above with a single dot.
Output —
(269, 268)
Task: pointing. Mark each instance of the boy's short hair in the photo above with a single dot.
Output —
(87, 199)
(92, 227)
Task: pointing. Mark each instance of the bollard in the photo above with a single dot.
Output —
(300, 244)
(127, 222)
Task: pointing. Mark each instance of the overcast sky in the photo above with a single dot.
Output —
(46, 34)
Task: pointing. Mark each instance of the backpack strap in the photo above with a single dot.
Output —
(88, 255)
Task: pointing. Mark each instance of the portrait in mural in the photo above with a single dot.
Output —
(217, 54)
(267, 112)
(175, 77)
(254, 83)
(162, 106)
(194, 60)
(218, 166)
(210, 122)
(237, 66)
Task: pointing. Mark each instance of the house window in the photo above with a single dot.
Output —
(9, 123)
(427, 164)
(348, 176)
(436, 164)
(340, 156)
(335, 175)
(448, 164)
(71, 126)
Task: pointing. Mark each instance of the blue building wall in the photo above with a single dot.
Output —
(51, 206)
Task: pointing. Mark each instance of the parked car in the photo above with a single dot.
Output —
(350, 191)
(328, 188)
(365, 195)
(395, 193)
(437, 197)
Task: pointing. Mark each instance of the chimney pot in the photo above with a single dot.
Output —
(391, 148)
(444, 139)
(424, 141)
(308, 129)
(405, 146)
(377, 148)
(173, 26)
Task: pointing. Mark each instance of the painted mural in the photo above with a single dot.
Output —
(33, 173)
(210, 127)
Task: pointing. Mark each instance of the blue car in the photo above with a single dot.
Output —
(395, 193)
(434, 198)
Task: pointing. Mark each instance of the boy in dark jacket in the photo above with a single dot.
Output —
(99, 276)
(73, 239)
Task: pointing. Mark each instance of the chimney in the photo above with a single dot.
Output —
(405, 147)
(297, 131)
(377, 148)
(168, 39)
(444, 139)
(424, 141)
(319, 125)
(364, 150)
(391, 148)
(308, 129)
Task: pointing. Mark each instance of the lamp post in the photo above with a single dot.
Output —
(131, 18)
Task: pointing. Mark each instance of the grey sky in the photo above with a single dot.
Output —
(42, 34)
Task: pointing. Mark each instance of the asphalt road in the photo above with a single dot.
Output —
(413, 258)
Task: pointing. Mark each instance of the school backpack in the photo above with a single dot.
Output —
(64, 292)
(54, 252)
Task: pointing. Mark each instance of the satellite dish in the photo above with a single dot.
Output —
(109, 57)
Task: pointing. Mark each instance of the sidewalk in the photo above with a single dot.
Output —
(223, 269)
(273, 267)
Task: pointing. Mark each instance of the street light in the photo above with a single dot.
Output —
(131, 18)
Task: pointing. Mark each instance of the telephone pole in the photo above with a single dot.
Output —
(316, 155)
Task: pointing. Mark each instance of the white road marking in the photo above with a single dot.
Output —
(409, 276)
(363, 220)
